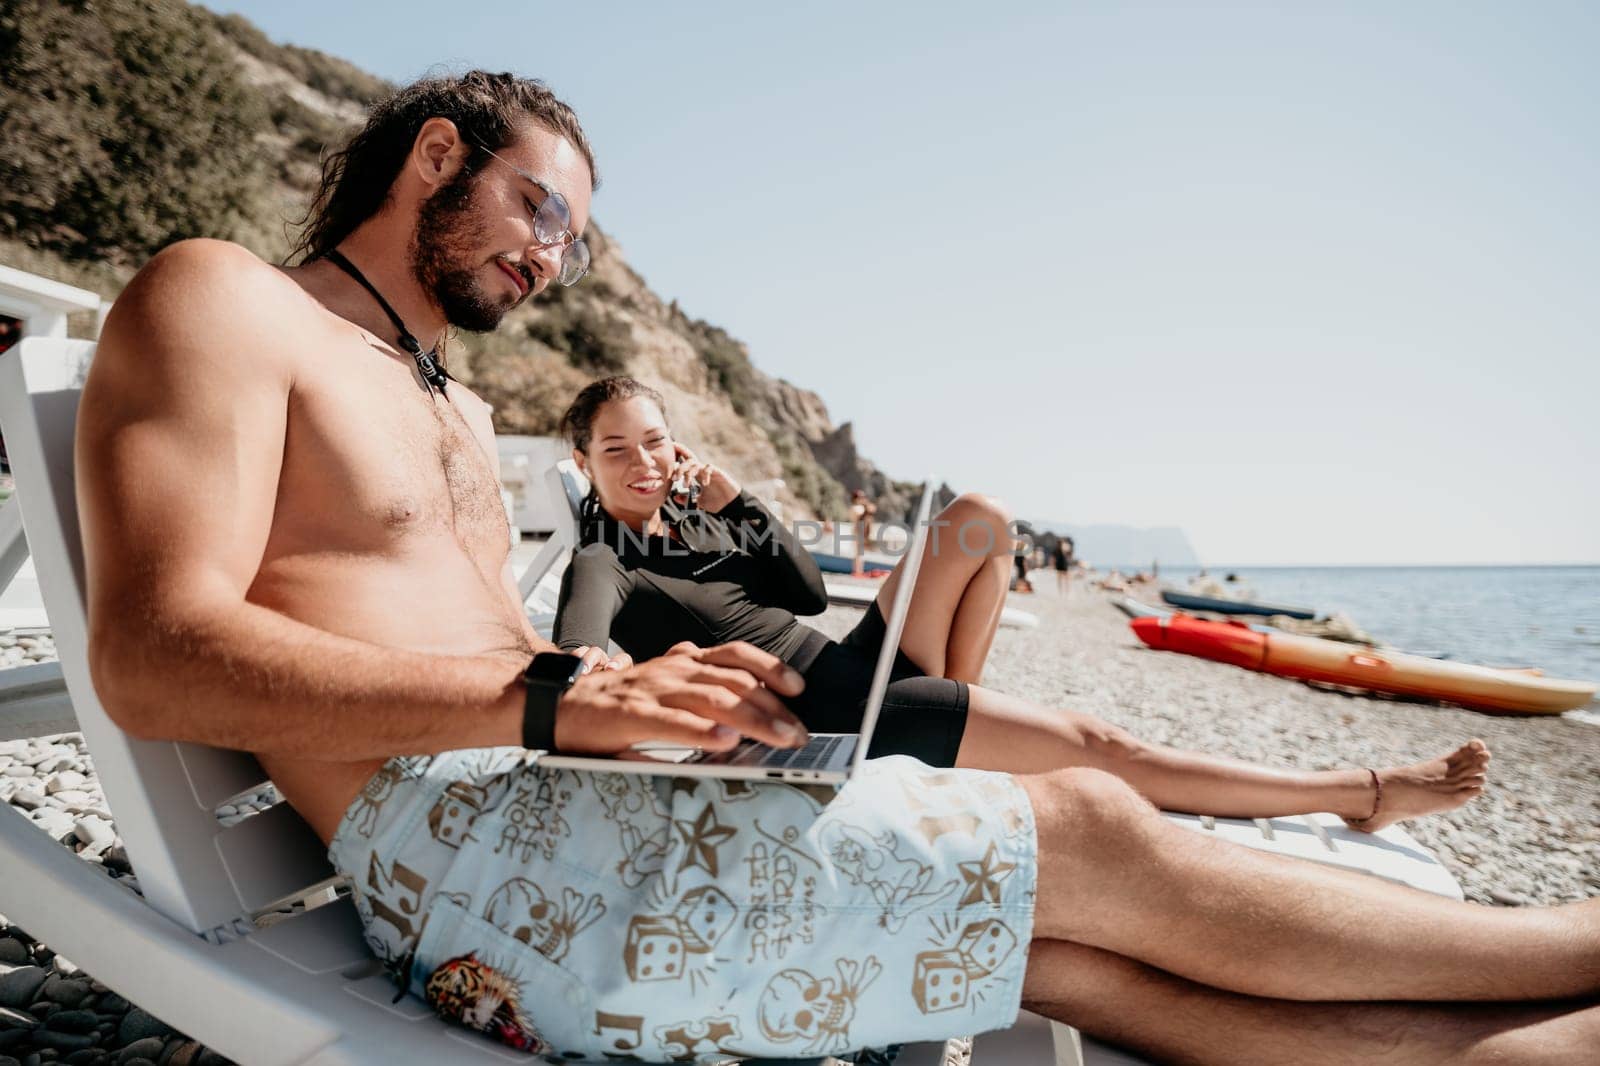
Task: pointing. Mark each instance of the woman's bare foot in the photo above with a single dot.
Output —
(1441, 784)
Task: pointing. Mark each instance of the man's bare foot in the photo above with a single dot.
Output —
(1441, 784)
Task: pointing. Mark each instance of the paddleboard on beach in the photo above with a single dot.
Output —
(1190, 602)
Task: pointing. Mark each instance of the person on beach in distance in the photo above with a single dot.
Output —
(861, 512)
(1022, 551)
(295, 547)
(651, 573)
(1062, 558)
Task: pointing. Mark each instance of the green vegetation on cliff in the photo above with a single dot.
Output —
(131, 124)
(127, 127)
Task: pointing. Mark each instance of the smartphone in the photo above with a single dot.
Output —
(686, 491)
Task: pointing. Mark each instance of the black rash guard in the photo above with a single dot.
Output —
(739, 575)
(714, 578)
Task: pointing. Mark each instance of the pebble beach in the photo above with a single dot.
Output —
(1532, 837)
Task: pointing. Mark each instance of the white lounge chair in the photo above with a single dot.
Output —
(302, 989)
(33, 698)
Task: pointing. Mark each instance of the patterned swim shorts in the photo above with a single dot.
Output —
(593, 915)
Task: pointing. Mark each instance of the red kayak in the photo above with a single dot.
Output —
(1314, 659)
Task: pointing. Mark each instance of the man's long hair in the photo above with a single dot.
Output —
(488, 109)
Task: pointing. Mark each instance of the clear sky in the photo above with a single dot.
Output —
(1317, 283)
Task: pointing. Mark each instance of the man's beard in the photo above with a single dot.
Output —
(448, 233)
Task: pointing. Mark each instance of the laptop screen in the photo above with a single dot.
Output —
(910, 565)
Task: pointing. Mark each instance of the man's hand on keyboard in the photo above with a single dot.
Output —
(699, 697)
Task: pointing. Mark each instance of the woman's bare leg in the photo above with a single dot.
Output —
(961, 589)
(955, 611)
(1173, 1020)
(1115, 875)
(1011, 734)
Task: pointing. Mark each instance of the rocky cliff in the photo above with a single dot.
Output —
(265, 114)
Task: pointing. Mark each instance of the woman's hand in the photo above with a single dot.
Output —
(717, 489)
(595, 659)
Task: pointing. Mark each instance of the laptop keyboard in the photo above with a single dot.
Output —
(818, 751)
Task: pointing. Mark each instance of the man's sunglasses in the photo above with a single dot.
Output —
(552, 224)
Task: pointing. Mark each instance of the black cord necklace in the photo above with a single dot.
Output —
(427, 365)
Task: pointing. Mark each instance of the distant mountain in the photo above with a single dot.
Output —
(1127, 547)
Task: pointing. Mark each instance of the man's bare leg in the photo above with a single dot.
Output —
(1007, 733)
(1115, 875)
(1173, 1020)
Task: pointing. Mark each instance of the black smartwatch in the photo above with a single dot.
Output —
(548, 677)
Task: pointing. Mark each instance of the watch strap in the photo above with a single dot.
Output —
(543, 696)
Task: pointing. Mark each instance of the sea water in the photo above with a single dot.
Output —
(1543, 616)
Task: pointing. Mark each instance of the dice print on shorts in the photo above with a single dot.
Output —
(704, 916)
(654, 950)
(942, 980)
(939, 981)
(984, 946)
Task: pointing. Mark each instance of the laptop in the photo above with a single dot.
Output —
(828, 758)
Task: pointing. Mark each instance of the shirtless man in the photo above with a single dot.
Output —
(295, 547)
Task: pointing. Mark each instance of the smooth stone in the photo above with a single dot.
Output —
(1507, 899)
(65, 781)
(28, 799)
(91, 1056)
(207, 1057)
(73, 799)
(13, 748)
(52, 820)
(46, 1038)
(20, 984)
(13, 953)
(18, 771)
(139, 1062)
(57, 763)
(73, 1021)
(12, 1036)
(183, 1055)
(111, 1003)
(147, 1048)
(67, 968)
(93, 830)
(138, 1024)
(67, 991)
(117, 859)
(17, 1019)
